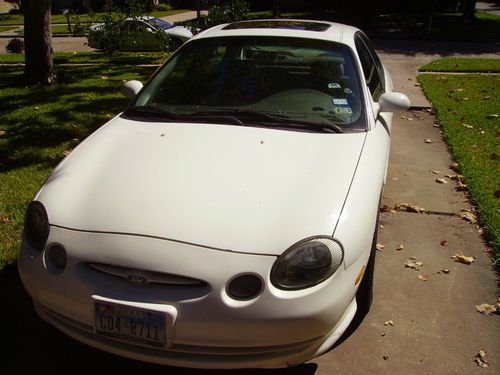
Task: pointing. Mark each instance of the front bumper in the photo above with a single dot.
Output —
(210, 329)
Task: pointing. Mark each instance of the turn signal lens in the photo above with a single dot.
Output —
(307, 263)
(36, 225)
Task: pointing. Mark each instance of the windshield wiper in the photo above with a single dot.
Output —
(278, 120)
(151, 111)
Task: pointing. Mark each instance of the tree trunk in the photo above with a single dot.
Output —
(276, 9)
(198, 8)
(39, 67)
(469, 8)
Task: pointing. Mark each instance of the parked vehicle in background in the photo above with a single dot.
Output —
(228, 217)
(144, 33)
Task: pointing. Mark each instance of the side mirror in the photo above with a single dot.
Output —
(131, 88)
(393, 102)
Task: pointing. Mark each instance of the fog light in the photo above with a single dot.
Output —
(245, 287)
(57, 257)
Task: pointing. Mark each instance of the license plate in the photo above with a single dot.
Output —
(138, 326)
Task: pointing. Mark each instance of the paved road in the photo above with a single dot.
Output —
(436, 328)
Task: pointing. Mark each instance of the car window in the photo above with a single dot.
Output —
(299, 79)
(370, 70)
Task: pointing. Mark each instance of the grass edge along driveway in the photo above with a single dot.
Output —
(467, 110)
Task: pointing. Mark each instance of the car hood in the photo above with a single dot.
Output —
(180, 31)
(235, 188)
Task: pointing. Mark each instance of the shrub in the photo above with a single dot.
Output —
(218, 13)
(15, 45)
(163, 7)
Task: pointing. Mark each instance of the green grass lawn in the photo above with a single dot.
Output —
(465, 105)
(96, 57)
(455, 64)
(38, 125)
(7, 28)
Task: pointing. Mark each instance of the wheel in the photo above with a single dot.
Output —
(364, 296)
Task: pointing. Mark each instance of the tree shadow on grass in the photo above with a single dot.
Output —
(33, 344)
(38, 121)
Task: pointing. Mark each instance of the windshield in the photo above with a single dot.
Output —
(259, 80)
(164, 25)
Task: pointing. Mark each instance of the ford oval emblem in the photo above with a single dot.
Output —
(137, 280)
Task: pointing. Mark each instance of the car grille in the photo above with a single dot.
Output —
(144, 276)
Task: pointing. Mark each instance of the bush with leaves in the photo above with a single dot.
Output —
(15, 45)
(106, 34)
(219, 13)
(113, 31)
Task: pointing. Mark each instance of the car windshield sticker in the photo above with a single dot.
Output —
(333, 85)
(337, 101)
(347, 90)
(341, 106)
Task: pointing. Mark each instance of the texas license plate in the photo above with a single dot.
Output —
(137, 326)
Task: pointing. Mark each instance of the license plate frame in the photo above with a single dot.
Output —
(131, 324)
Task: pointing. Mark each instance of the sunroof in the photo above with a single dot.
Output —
(277, 24)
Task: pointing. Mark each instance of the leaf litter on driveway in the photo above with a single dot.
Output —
(486, 309)
(480, 359)
(461, 258)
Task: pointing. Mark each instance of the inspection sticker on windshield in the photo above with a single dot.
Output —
(340, 101)
(333, 85)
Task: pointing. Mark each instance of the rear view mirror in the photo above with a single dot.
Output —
(131, 88)
(393, 102)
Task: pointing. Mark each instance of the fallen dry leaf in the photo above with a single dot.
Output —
(389, 323)
(423, 277)
(467, 126)
(468, 216)
(492, 115)
(444, 243)
(486, 309)
(428, 140)
(4, 219)
(445, 271)
(435, 172)
(441, 181)
(413, 264)
(461, 186)
(461, 258)
(400, 247)
(454, 177)
(480, 361)
(379, 247)
(381, 226)
(454, 167)
(409, 208)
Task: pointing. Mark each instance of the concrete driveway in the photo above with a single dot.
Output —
(435, 330)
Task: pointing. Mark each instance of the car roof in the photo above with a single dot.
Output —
(324, 30)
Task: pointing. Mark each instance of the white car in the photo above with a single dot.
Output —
(145, 29)
(225, 219)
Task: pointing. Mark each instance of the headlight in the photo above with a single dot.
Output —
(36, 225)
(307, 263)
